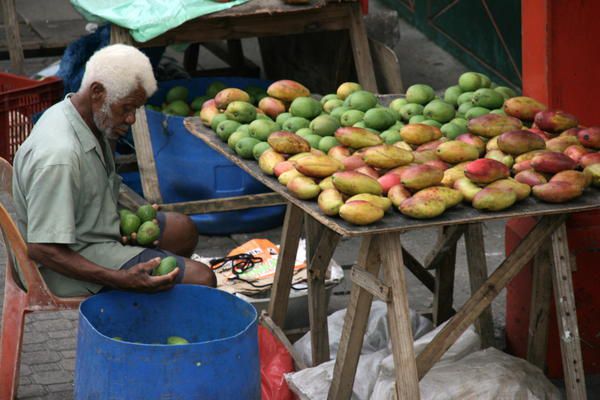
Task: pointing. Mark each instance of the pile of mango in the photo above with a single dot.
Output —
(141, 226)
(422, 155)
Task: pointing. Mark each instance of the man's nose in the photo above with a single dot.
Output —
(130, 118)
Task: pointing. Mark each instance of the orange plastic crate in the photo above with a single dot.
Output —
(20, 99)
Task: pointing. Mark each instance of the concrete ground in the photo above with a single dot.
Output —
(48, 357)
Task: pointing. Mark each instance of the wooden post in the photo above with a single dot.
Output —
(443, 295)
(568, 331)
(290, 236)
(360, 49)
(478, 274)
(484, 296)
(13, 37)
(320, 256)
(541, 295)
(399, 323)
(355, 323)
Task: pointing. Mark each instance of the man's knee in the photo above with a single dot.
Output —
(180, 235)
(199, 274)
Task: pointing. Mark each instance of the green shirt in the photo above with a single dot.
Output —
(65, 190)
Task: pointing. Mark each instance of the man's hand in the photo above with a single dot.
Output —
(138, 278)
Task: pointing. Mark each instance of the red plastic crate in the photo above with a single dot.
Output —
(20, 99)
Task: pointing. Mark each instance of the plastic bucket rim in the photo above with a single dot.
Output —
(239, 333)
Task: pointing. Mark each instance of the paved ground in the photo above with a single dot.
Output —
(48, 358)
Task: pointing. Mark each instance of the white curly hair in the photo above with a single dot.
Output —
(120, 69)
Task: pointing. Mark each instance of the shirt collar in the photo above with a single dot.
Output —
(82, 130)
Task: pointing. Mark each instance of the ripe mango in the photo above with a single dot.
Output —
(288, 175)
(357, 138)
(494, 199)
(382, 202)
(571, 132)
(288, 143)
(208, 112)
(330, 201)
(403, 145)
(228, 96)
(555, 121)
(519, 142)
(576, 152)
(369, 171)
(304, 188)
(590, 137)
(560, 143)
(418, 177)
(453, 174)
(433, 145)
(353, 162)
(422, 157)
(529, 155)
(423, 208)
(486, 170)
(593, 171)
(388, 181)
(474, 140)
(523, 108)
(580, 178)
(346, 89)
(557, 192)
(282, 167)
(455, 151)
(467, 188)
(450, 197)
(287, 90)
(352, 182)
(522, 166)
(397, 194)
(299, 156)
(418, 134)
(386, 156)
(271, 106)
(530, 177)
(498, 155)
(492, 144)
(360, 212)
(590, 159)
(492, 125)
(339, 152)
(268, 160)
(552, 162)
(439, 164)
(318, 166)
(522, 190)
(326, 183)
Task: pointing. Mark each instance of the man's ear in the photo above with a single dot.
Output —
(98, 92)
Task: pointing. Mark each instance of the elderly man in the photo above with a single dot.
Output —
(65, 188)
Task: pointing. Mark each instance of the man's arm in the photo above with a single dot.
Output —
(60, 258)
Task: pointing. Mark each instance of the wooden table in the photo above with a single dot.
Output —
(381, 246)
(257, 18)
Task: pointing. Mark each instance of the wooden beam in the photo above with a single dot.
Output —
(317, 296)
(360, 49)
(477, 264)
(225, 204)
(487, 292)
(398, 315)
(13, 36)
(268, 323)
(370, 283)
(288, 248)
(129, 199)
(539, 310)
(568, 331)
(446, 241)
(355, 324)
(418, 271)
(443, 296)
(387, 68)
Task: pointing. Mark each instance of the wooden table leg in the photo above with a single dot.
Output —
(539, 311)
(355, 323)
(484, 296)
(478, 274)
(360, 49)
(321, 243)
(399, 323)
(290, 236)
(568, 330)
(443, 294)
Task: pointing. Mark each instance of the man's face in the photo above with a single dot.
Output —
(114, 119)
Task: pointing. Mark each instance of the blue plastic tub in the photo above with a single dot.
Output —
(189, 170)
(221, 361)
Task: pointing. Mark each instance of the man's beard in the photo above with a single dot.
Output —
(103, 119)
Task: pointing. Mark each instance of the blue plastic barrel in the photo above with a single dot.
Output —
(220, 362)
(189, 170)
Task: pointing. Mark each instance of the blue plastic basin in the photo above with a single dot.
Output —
(220, 362)
(189, 170)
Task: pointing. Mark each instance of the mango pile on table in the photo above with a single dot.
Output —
(481, 145)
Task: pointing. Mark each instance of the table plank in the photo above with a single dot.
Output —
(394, 221)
